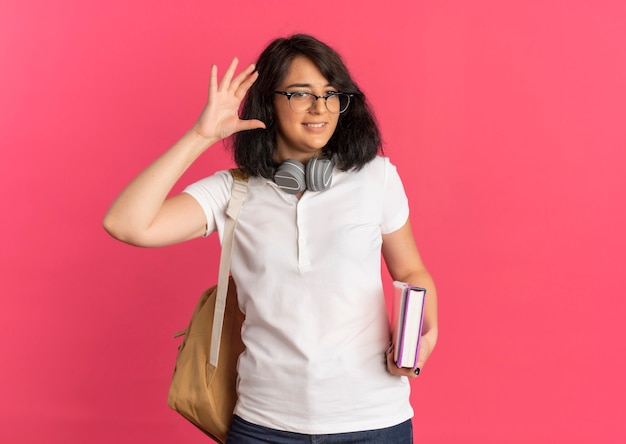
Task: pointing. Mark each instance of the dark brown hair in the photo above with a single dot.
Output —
(356, 140)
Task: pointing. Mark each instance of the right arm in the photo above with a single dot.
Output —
(142, 214)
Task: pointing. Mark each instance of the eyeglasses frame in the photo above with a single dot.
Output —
(288, 94)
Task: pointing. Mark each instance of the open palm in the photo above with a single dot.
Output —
(220, 117)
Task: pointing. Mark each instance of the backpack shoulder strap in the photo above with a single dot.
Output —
(238, 195)
(239, 174)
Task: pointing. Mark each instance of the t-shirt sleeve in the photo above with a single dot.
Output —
(395, 202)
(212, 193)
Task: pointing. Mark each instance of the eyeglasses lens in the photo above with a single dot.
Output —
(303, 102)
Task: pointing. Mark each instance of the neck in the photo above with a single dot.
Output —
(302, 157)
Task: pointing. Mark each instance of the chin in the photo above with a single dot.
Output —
(319, 144)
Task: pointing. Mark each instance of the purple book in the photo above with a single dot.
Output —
(408, 316)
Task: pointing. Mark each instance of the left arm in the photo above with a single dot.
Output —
(405, 264)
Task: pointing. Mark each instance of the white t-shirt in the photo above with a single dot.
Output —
(308, 276)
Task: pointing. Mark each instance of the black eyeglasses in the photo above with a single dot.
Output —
(302, 102)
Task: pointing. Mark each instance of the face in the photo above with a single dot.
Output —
(302, 136)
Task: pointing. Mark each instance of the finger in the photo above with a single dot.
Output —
(420, 364)
(244, 81)
(228, 75)
(423, 353)
(213, 80)
(411, 373)
(391, 365)
(251, 124)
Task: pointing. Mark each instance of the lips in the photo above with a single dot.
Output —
(315, 125)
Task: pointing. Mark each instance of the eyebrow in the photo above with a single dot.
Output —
(306, 85)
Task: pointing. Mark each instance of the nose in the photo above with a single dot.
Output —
(319, 105)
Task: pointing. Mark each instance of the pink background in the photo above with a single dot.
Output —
(506, 120)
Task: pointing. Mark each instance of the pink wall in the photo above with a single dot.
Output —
(506, 120)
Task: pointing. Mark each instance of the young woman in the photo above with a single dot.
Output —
(322, 205)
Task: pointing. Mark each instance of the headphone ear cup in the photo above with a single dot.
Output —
(319, 174)
(290, 177)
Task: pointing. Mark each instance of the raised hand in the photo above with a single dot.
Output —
(220, 117)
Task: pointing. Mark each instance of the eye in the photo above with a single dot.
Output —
(300, 95)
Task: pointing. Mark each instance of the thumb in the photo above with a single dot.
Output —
(251, 124)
